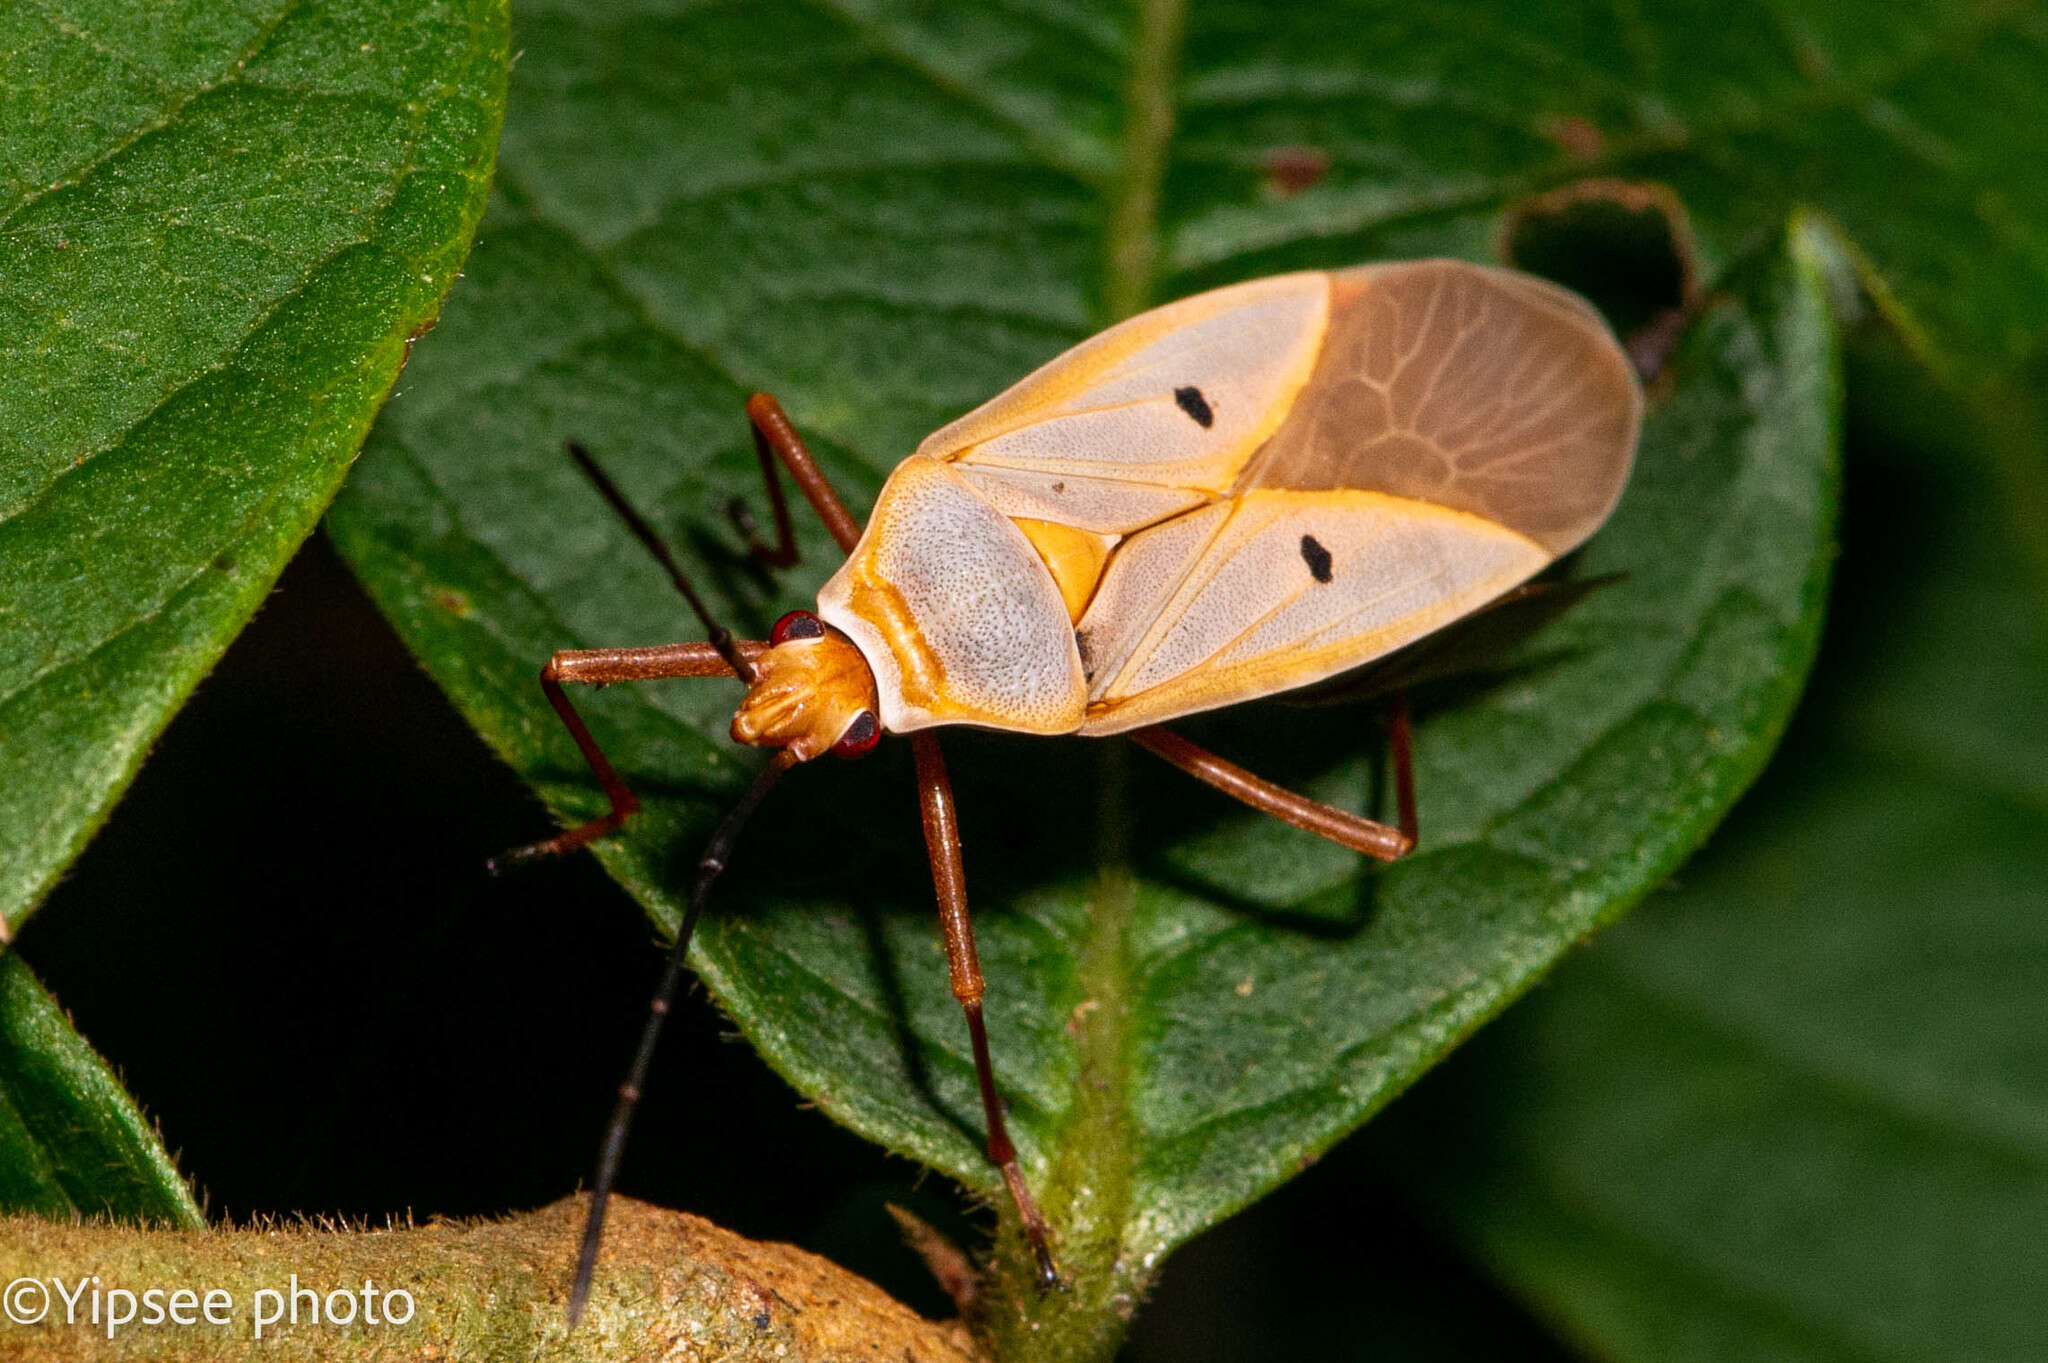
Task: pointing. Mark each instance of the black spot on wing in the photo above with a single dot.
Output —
(1316, 557)
(1195, 405)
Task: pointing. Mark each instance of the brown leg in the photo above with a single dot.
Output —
(949, 879)
(782, 553)
(601, 667)
(1399, 739)
(1325, 821)
(774, 434)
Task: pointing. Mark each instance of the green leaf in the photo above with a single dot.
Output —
(1913, 126)
(71, 1141)
(220, 224)
(1798, 1109)
(885, 218)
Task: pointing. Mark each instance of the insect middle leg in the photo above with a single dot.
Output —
(949, 880)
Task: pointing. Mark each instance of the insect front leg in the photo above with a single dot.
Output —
(602, 667)
(949, 880)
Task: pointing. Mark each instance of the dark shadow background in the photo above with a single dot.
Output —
(285, 941)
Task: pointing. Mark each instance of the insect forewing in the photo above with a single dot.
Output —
(1486, 391)
(1240, 493)
(1178, 397)
(1462, 428)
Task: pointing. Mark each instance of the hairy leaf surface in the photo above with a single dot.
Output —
(220, 225)
(71, 1142)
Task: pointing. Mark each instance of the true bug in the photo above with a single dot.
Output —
(1234, 495)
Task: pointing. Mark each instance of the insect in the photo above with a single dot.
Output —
(1234, 495)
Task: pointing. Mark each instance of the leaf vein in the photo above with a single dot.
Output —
(964, 92)
(164, 119)
(230, 349)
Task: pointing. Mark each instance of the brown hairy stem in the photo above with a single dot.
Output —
(675, 1286)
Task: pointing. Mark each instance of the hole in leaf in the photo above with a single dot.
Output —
(1626, 247)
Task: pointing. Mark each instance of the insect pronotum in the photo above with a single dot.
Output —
(1227, 497)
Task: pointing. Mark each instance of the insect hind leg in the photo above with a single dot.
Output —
(1340, 826)
(1401, 742)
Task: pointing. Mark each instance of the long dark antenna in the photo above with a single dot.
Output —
(718, 635)
(708, 866)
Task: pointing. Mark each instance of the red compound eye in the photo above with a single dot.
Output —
(796, 625)
(860, 736)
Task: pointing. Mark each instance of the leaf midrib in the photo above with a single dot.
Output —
(1091, 1167)
(1130, 260)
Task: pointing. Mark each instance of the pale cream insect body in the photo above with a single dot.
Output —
(1234, 495)
(1237, 494)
